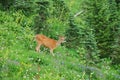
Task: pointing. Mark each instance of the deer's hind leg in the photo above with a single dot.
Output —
(51, 51)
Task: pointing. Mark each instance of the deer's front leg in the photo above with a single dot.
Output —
(38, 47)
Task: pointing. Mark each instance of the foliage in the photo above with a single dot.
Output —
(56, 27)
(60, 10)
(77, 37)
(40, 20)
(12, 33)
(47, 21)
(72, 34)
(27, 6)
(85, 36)
(102, 16)
(6, 3)
(115, 23)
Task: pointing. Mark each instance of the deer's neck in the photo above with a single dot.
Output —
(59, 42)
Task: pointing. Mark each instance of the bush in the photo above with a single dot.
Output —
(102, 16)
(13, 32)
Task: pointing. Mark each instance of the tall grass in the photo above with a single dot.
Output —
(19, 61)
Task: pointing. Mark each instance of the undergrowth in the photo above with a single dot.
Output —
(19, 61)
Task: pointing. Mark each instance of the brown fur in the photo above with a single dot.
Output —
(47, 42)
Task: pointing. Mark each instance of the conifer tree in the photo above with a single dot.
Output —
(72, 33)
(78, 37)
(102, 16)
(40, 20)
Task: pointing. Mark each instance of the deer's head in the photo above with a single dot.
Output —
(62, 39)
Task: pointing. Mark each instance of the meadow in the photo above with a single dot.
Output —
(76, 59)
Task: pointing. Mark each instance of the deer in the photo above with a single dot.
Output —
(48, 42)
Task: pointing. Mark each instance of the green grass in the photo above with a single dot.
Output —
(19, 61)
(25, 64)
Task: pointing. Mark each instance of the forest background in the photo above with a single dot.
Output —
(91, 50)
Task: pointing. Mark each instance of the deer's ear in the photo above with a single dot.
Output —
(64, 37)
(61, 36)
